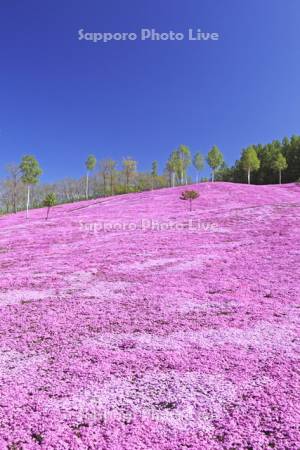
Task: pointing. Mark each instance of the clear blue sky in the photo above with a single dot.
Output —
(61, 98)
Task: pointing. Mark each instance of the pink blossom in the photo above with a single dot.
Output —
(163, 339)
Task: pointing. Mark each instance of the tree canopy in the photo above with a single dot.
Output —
(91, 162)
(30, 170)
(214, 159)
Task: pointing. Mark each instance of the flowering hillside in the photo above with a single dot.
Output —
(132, 323)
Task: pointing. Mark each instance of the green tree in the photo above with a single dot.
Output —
(154, 172)
(285, 141)
(173, 166)
(198, 162)
(279, 164)
(250, 161)
(129, 169)
(224, 173)
(266, 154)
(90, 164)
(190, 196)
(105, 171)
(292, 155)
(111, 165)
(49, 201)
(214, 159)
(184, 160)
(31, 173)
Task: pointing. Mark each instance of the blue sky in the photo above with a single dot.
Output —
(61, 98)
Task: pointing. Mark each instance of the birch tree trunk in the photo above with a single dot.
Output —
(28, 200)
(87, 186)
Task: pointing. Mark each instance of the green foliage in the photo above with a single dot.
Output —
(173, 161)
(91, 162)
(214, 159)
(178, 163)
(250, 160)
(111, 167)
(30, 170)
(267, 173)
(129, 164)
(223, 173)
(279, 163)
(198, 161)
(183, 162)
(265, 163)
(185, 155)
(154, 171)
(129, 169)
(50, 199)
(154, 174)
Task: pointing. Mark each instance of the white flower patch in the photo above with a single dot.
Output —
(13, 297)
(151, 263)
(106, 289)
(263, 337)
(180, 400)
(14, 363)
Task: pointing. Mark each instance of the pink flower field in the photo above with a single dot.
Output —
(132, 323)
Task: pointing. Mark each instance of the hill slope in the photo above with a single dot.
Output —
(132, 323)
